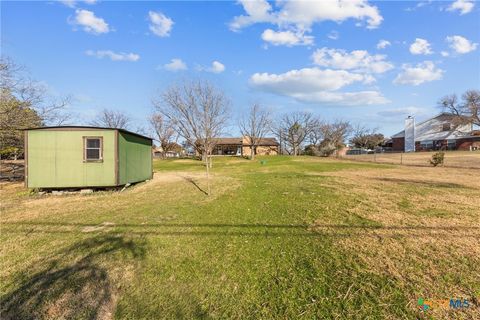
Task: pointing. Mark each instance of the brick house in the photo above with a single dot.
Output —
(440, 133)
(240, 147)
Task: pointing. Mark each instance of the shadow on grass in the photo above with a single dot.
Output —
(260, 230)
(195, 184)
(428, 184)
(61, 290)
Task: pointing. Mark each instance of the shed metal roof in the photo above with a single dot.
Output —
(88, 128)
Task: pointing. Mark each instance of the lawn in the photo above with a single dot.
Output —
(292, 238)
(453, 159)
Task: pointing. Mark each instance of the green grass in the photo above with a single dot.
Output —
(166, 250)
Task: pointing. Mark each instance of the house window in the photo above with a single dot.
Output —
(446, 127)
(451, 144)
(426, 145)
(93, 149)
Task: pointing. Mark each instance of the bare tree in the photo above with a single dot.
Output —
(316, 134)
(363, 137)
(15, 82)
(112, 119)
(254, 127)
(24, 103)
(164, 132)
(295, 128)
(335, 134)
(199, 113)
(467, 111)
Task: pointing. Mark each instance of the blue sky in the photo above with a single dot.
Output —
(324, 57)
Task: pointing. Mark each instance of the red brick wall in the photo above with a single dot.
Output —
(398, 144)
(464, 144)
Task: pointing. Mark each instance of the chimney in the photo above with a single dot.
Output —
(410, 134)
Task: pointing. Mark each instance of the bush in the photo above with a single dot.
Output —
(327, 150)
(311, 150)
(437, 159)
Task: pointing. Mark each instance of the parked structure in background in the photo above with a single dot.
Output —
(176, 151)
(79, 157)
(438, 133)
(240, 147)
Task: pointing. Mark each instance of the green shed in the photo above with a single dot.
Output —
(81, 156)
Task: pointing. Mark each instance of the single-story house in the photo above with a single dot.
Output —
(439, 133)
(175, 152)
(240, 146)
(82, 156)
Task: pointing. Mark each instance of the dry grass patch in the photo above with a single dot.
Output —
(426, 229)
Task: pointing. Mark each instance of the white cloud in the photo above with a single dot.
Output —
(460, 44)
(160, 24)
(287, 38)
(382, 44)
(464, 6)
(90, 22)
(73, 3)
(175, 64)
(420, 46)
(358, 60)
(298, 16)
(344, 98)
(316, 86)
(444, 54)
(334, 35)
(217, 67)
(256, 11)
(399, 112)
(305, 80)
(114, 56)
(303, 14)
(422, 72)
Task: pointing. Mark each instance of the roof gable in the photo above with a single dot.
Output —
(432, 129)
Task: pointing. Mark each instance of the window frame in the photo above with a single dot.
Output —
(85, 159)
(427, 144)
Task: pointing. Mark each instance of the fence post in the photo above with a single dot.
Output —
(401, 157)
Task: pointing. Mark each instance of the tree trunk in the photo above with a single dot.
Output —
(252, 152)
(207, 168)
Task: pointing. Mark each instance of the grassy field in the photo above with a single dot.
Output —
(293, 238)
(453, 159)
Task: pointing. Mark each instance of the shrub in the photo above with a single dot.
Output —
(437, 159)
(327, 150)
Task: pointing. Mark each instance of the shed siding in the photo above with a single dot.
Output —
(55, 159)
(135, 158)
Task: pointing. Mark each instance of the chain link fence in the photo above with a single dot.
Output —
(453, 159)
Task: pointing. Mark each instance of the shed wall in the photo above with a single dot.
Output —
(55, 159)
(135, 158)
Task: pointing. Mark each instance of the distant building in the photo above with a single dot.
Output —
(80, 156)
(240, 147)
(439, 133)
(176, 152)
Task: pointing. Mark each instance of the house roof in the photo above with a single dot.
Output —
(239, 141)
(228, 141)
(268, 142)
(430, 129)
(87, 128)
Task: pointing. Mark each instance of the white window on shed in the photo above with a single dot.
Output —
(93, 149)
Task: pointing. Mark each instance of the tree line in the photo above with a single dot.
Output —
(196, 112)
